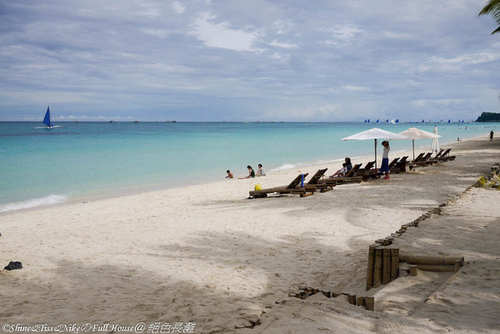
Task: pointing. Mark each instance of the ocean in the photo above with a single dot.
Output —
(81, 161)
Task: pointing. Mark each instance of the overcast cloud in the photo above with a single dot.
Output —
(253, 60)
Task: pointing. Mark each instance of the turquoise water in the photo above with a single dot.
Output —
(88, 160)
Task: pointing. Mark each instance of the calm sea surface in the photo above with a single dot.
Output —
(77, 161)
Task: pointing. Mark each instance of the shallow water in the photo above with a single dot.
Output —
(87, 160)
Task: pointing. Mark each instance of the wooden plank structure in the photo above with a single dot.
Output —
(434, 263)
(383, 266)
(368, 302)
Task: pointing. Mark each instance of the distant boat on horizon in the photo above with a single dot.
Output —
(47, 120)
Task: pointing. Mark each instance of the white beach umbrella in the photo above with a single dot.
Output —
(435, 141)
(414, 133)
(375, 134)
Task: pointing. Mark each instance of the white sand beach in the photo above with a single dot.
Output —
(208, 255)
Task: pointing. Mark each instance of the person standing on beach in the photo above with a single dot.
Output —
(260, 171)
(251, 173)
(385, 159)
(491, 135)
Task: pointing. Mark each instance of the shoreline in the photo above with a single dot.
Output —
(138, 189)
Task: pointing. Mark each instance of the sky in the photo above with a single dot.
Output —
(255, 60)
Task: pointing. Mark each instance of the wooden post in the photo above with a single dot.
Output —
(394, 263)
(436, 267)
(450, 260)
(413, 270)
(377, 267)
(457, 265)
(352, 299)
(370, 303)
(386, 266)
(361, 301)
(369, 271)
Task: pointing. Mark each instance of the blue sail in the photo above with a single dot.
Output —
(46, 119)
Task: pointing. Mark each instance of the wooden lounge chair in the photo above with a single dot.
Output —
(348, 178)
(368, 172)
(402, 166)
(292, 188)
(438, 154)
(435, 159)
(445, 156)
(315, 183)
(419, 157)
(391, 166)
(425, 160)
(393, 163)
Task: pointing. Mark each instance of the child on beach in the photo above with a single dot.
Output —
(385, 159)
(229, 174)
(251, 173)
(341, 172)
(260, 171)
(346, 167)
(491, 135)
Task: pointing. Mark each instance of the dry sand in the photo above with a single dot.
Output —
(207, 255)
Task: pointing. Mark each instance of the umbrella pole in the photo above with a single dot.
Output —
(413, 142)
(376, 155)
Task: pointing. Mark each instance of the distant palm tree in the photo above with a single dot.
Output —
(493, 8)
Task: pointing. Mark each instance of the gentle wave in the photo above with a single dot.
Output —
(283, 167)
(32, 203)
(47, 128)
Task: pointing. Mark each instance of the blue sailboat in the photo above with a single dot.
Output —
(47, 121)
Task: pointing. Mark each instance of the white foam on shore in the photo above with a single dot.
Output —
(32, 203)
(283, 167)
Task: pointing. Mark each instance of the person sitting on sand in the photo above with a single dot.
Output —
(229, 174)
(251, 173)
(260, 171)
